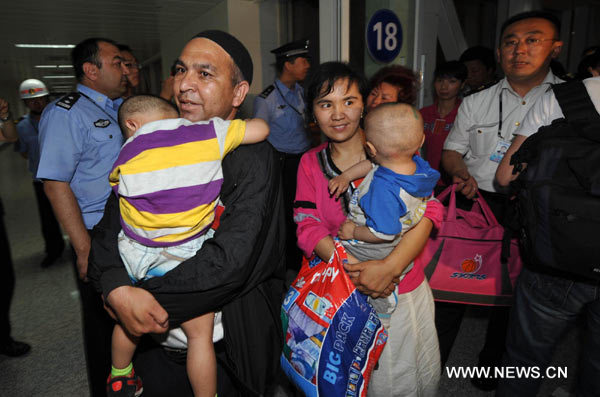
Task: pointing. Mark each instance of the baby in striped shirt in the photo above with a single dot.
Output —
(168, 178)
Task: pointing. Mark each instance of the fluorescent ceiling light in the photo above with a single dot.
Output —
(53, 66)
(59, 77)
(45, 45)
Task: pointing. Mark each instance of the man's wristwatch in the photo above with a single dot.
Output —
(5, 118)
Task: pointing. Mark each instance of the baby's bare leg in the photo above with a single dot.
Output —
(201, 361)
(123, 347)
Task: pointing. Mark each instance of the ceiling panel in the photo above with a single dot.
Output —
(137, 23)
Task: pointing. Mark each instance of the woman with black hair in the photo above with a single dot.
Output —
(438, 118)
(410, 363)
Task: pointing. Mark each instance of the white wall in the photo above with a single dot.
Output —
(171, 43)
(256, 24)
(244, 23)
(273, 33)
(429, 19)
(420, 21)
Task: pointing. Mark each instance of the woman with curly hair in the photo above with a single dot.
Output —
(393, 83)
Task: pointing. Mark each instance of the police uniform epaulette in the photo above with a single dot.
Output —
(68, 100)
(482, 87)
(267, 91)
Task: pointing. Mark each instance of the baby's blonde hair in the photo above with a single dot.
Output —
(394, 129)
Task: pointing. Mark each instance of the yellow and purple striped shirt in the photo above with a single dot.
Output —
(168, 178)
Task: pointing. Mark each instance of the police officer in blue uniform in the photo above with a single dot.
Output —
(35, 95)
(281, 105)
(80, 140)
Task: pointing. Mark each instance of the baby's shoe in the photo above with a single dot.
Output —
(124, 386)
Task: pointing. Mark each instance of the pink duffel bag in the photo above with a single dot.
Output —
(463, 259)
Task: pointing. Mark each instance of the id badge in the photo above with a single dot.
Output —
(501, 148)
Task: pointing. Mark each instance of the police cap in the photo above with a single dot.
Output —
(292, 50)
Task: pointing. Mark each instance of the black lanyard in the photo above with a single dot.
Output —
(500, 115)
(98, 106)
(285, 100)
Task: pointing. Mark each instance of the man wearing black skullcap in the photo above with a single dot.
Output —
(238, 272)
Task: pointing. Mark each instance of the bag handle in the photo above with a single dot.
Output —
(442, 196)
(451, 214)
(487, 211)
(451, 209)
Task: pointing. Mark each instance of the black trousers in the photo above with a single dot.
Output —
(97, 333)
(448, 316)
(7, 280)
(289, 173)
(163, 372)
(50, 228)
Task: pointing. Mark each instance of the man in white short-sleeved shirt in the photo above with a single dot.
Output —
(481, 134)
(542, 113)
(478, 131)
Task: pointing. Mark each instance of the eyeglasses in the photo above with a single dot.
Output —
(530, 42)
(130, 65)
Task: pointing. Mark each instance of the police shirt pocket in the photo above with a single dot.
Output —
(483, 139)
(102, 134)
(280, 121)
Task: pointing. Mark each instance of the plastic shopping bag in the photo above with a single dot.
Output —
(333, 336)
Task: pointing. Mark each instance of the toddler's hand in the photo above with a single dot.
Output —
(338, 185)
(346, 231)
(351, 258)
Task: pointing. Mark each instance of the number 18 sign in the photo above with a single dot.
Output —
(384, 36)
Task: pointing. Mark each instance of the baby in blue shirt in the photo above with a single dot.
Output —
(393, 196)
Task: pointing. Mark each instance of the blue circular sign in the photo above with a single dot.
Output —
(384, 36)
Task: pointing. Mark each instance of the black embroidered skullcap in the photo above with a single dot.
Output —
(232, 46)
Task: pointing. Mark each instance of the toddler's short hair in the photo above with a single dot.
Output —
(145, 104)
(394, 128)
